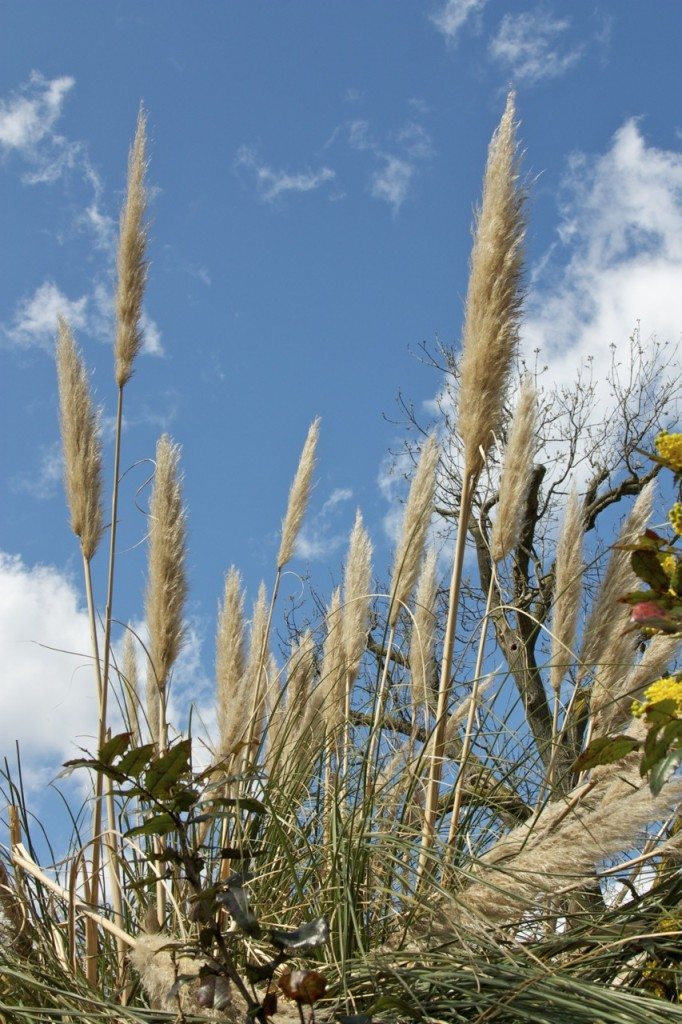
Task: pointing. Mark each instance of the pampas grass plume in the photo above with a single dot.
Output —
(568, 573)
(80, 443)
(233, 707)
(356, 597)
(131, 687)
(516, 474)
(423, 638)
(299, 495)
(132, 266)
(167, 583)
(415, 527)
(494, 298)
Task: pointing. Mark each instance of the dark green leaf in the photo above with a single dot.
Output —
(646, 565)
(167, 769)
(605, 750)
(136, 759)
(114, 747)
(159, 825)
(662, 771)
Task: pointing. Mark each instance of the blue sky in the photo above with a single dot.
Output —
(314, 168)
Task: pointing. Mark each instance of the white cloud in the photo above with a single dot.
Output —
(528, 45)
(48, 698)
(35, 320)
(453, 15)
(618, 259)
(31, 113)
(392, 182)
(272, 184)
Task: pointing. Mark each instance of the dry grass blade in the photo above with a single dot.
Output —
(132, 266)
(494, 298)
(299, 495)
(517, 469)
(167, 583)
(80, 442)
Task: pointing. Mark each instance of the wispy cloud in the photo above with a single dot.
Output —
(29, 115)
(532, 46)
(395, 156)
(451, 17)
(44, 482)
(320, 536)
(271, 183)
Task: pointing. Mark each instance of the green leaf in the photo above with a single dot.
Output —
(646, 565)
(165, 770)
(158, 825)
(605, 750)
(662, 771)
(136, 760)
(114, 747)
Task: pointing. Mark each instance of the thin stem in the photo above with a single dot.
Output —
(468, 732)
(438, 744)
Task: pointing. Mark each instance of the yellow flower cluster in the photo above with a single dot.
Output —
(675, 517)
(667, 688)
(669, 448)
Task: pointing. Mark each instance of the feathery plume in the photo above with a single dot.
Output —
(624, 689)
(233, 706)
(131, 264)
(494, 298)
(356, 597)
(568, 571)
(167, 584)
(130, 687)
(415, 527)
(258, 657)
(423, 639)
(517, 469)
(332, 676)
(607, 617)
(81, 444)
(298, 495)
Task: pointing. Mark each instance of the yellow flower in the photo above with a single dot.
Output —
(669, 564)
(669, 447)
(667, 688)
(675, 517)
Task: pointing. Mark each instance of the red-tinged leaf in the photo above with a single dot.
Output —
(269, 1004)
(605, 750)
(303, 986)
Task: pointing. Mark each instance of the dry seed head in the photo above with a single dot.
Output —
(167, 584)
(568, 573)
(299, 495)
(333, 675)
(131, 264)
(423, 639)
(608, 617)
(233, 706)
(356, 597)
(81, 444)
(257, 662)
(415, 527)
(130, 687)
(517, 469)
(494, 298)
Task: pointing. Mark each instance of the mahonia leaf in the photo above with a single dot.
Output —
(308, 936)
(605, 750)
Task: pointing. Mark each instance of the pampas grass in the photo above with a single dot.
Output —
(233, 706)
(517, 467)
(298, 496)
(167, 582)
(132, 265)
